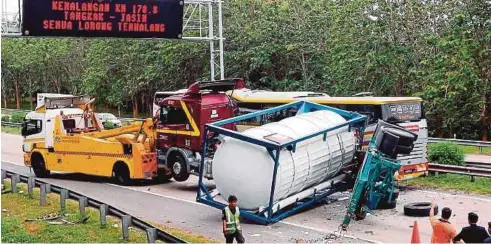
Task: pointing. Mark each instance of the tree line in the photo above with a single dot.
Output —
(438, 50)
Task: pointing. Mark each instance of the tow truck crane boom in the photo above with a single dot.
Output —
(64, 135)
(147, 126)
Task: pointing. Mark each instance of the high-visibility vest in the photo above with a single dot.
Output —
(233, 223)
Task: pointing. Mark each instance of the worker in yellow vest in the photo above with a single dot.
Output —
(231, 222)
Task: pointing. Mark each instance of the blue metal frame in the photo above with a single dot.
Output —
(203, 194)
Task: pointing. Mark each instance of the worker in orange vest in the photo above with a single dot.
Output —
(443, 230)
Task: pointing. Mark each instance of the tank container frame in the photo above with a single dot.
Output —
(266, 216)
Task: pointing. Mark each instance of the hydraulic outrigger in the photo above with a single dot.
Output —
(375, 181)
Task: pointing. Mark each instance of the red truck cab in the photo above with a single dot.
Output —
(182, 119)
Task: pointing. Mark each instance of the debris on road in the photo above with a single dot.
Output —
(51, 216)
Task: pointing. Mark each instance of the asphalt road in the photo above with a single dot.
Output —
(478, 158)
(174, 204)
(177, 208)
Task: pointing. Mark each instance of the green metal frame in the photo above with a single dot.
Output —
(374, 182)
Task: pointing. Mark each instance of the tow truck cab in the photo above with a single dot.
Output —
(182, 119)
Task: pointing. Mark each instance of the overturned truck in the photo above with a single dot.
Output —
(280, 168)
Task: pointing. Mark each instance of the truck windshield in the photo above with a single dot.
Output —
(159, 97)
(31, 127)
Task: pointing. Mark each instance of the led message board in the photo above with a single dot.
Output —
(103, 18)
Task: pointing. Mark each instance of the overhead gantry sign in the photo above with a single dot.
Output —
(104, 18)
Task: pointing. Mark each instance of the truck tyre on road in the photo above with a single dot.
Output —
(384, 203)
(419, 209)
(360, 213)
(121, 174)
(39, 166)
(179, 168)
(162, 176)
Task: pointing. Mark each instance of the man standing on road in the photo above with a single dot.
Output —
(231, 223)
(472, 233)
(443, 231)
(488, 240)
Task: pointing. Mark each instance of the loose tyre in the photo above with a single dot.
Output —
(386, 205)
(39, 166)
(360, 213)
(419, 209)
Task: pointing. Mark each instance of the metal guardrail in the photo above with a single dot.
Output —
(27, 111)
(136, 222)
(11, 124)
(479, 144)
(15, 110)
(485, 165)
(472, 171)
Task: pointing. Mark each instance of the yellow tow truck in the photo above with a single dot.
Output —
(64, 135)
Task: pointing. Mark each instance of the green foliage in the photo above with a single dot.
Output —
(475, 150)
(446, 153)
(11, 130)
(439, 50)
(13, 232)
(16, 208)
(18, 117)
(19, 207)
(482, 185)
(6, 118)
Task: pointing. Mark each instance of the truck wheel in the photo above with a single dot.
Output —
(179, 168)
(162, 176)
(39, 166)
(384, 204)
(360, 213)
(121, 174)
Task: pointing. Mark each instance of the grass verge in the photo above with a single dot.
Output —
(188, 236)
(11, 130)
(475, 150)
(16, 208)
(463, 183)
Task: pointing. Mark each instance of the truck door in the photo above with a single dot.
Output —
(178, 122)
(49, 129)
(32, 130)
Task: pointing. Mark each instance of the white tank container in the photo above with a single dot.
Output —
(246, 170)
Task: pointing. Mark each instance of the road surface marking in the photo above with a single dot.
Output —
(156, 194)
